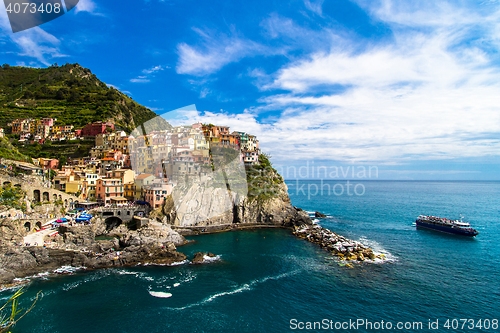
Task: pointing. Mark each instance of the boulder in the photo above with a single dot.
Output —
(200, 257)
(6, 277)
(319, 215)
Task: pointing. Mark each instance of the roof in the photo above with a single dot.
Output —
(143, 176)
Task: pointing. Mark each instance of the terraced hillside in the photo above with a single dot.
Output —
(70, 93)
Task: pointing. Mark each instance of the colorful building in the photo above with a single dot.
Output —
(108, 188)
(155, 193)
(97, 128)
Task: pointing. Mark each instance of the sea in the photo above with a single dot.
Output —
(267, 280)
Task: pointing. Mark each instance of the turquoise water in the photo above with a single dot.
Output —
(266, 278)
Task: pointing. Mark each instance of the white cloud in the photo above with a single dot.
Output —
(215, 53)
(35, 42)
(154, 69)
(88, 6)
(315, 6)
(149, 72)
(140, 80)
(427, 94)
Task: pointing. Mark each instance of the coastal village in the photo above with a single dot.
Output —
(123, 169)
(115, 206)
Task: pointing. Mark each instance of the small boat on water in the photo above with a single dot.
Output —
(446, 225)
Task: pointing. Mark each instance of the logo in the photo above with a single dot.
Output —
(24, 14)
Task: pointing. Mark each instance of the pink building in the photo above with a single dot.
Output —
(155, 194)
(97, 128)
(48, 163)
(48, 122)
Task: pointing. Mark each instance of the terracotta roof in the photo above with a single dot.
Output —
(142, 176)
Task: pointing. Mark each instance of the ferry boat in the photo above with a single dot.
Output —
(446, 225)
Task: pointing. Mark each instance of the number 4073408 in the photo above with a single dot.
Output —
(29, 7)
(471, 324)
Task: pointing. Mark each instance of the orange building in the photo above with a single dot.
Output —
(108, 188)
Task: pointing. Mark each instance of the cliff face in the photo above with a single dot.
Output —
(207, 208)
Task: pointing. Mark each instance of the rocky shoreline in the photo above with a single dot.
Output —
(97, 245)
(344, 248)
(77, 247)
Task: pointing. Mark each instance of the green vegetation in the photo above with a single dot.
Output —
(8, 318)
(61, 150)
(12, 197)
(10, 152)
(263, 180)
(70, 93)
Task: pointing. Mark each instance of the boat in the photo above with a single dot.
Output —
(456, 227)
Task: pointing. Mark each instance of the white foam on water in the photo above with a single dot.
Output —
(160, 294)
(246, 287)
(177, 263)
(378, 249)
(67, 269)
(210, 259)
(127, 273)
(176, 284)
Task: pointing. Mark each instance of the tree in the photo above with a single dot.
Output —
(60, 94)
(28, 95)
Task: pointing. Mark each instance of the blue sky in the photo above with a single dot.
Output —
(410, 87)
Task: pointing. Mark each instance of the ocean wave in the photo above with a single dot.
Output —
(177, 263)
(378, 249)
(67, 269)
(207, 259)
(245, 287)
(47, 274)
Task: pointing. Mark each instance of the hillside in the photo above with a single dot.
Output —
(10, 152)
(70, 93)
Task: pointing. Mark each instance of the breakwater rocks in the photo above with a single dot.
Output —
(344, 248)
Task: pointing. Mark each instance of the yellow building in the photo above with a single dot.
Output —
(126, 175)
(74, 187)
(129, 191)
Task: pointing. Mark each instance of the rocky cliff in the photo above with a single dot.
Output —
(213, 208)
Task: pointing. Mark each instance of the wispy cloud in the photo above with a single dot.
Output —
(429, 93)
(88, 6)
(148, 74)
(154, 69)
(140, 79)
(214, 52)
(34, 43)
(314, 6)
